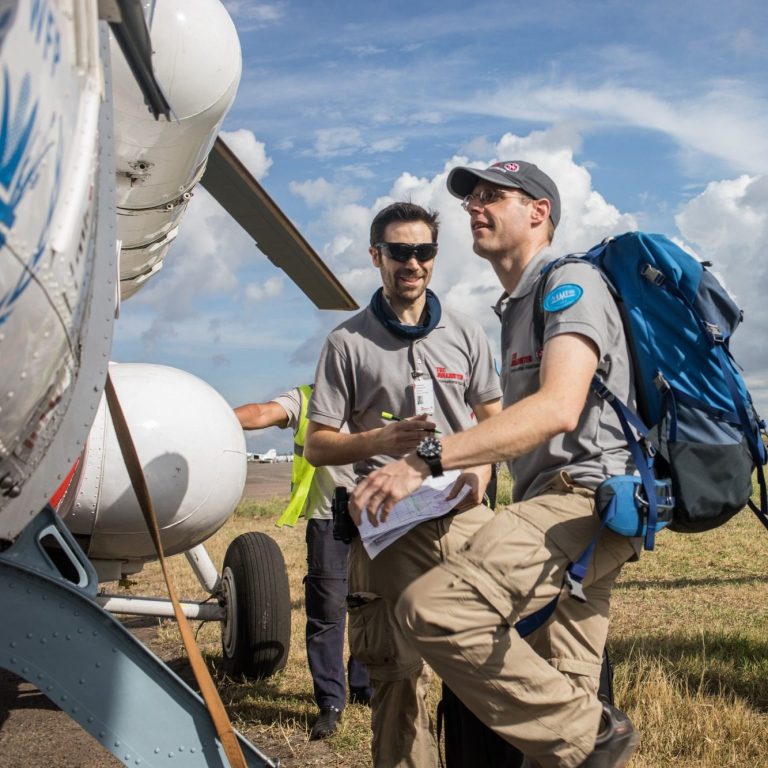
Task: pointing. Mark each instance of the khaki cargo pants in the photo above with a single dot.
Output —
(538, 693)
(402, 729)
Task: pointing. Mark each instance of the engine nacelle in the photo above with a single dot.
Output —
(197, 62)
(192, 449)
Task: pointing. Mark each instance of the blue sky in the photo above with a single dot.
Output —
(648, 115)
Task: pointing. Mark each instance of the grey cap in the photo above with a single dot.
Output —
(516, 174)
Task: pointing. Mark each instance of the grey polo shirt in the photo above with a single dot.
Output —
(325, 479)
(364, 369)
(596, 449)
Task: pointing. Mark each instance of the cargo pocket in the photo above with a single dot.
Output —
(371, 630)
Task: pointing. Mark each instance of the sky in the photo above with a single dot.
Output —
(649, 116)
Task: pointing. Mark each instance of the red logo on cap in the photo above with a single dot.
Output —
(511, 167)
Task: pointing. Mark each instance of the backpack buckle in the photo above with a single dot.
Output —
(602, 391)
(650, 448)
(661, 383)
(665, 499)
(655, 276)
(714, 332)
(575, 588)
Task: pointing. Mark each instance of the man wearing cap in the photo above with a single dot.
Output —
(561, 441)
(405, 356)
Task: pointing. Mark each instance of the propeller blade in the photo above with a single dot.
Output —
(129, 27)
(235, 189)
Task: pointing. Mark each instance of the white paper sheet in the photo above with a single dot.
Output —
(425, 503)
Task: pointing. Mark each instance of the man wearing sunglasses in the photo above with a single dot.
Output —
(561, 441)
(409, 357)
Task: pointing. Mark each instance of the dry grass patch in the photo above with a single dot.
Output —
(685, 725)
(688, 636)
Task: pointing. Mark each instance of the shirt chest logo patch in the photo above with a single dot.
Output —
(523, 362)
(516, 360)
(562, 297)
(445, 375)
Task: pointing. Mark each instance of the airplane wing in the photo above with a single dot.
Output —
(238, 192)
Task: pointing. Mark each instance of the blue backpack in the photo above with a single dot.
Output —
(695, 437)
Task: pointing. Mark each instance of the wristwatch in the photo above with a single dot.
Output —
(429, 450)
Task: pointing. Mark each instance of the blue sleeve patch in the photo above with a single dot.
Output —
(562, 297)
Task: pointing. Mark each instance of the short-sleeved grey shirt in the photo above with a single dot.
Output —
(364, 369)
(596, 449)
(325, 479)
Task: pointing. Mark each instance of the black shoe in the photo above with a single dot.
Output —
(361, 695)
(325, 724)
(616, 741)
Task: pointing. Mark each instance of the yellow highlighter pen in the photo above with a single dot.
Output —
(391, 417)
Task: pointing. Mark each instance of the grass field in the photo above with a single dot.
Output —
(689, 640)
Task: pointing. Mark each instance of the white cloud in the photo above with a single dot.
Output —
(314, 192)
(728, 223)
(357, 171)
(725, 121)
(269, 289)
(337, 141)
(341, 141)
(745, 41)
(307, 351)
(250, 15)
(393, 144)
(728, 217)
(252, 153)
(319, 192)
(365, 50)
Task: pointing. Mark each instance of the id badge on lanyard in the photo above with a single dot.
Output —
(424, 394)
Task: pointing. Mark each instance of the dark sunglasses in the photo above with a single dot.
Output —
(402, 252)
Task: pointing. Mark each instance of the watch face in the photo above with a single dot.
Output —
(430, 448)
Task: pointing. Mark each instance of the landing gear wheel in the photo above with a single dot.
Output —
(256, 635)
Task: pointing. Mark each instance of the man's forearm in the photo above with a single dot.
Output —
(515, 431)
(329, 448)
(261, 415)
(326, 445)
(568, 365)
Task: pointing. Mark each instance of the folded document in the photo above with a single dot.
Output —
(426, 503)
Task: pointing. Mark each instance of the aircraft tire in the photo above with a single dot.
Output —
(256, 635)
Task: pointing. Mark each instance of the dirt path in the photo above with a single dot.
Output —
(34, 733)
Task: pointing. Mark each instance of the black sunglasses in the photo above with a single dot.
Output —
(402, 252)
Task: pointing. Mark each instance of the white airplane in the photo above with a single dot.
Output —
(93, 187)
(270, 457)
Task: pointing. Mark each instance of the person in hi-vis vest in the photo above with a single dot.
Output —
(325, 585)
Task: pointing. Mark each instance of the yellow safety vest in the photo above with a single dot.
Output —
(303, 471)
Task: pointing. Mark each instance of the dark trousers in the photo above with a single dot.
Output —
(325, 593)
